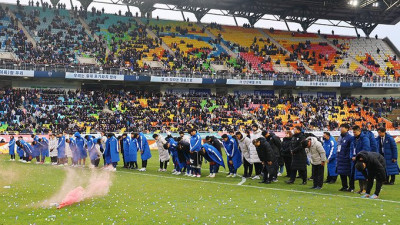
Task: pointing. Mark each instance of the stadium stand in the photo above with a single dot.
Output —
(28, 111)
(115, 43)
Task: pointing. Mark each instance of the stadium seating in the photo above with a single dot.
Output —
(375, 54)
(113, 109)
(124, 43)
(311, 50)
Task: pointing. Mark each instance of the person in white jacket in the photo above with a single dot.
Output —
(257, 133)
(53, 149)
(162, 152)
(245, 145)
(317, 155)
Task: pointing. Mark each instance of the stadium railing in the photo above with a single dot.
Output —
(191, 74)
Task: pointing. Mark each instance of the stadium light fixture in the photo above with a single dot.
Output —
(353, 3)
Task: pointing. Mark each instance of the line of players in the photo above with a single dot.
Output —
(349, 157)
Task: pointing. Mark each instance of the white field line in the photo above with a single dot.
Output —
(257, 187)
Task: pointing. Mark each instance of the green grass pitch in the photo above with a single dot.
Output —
(162, 198)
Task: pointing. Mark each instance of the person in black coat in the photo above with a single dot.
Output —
(299, 157)
(375, 164)
(276, 145)
(268, 159)
(286, 153)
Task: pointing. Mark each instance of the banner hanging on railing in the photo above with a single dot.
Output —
(182, 80)
(250, 82)
(17, 73)
(94, 76)
(317, 84)
(380, 85)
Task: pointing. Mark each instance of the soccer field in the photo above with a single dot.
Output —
(162, 198)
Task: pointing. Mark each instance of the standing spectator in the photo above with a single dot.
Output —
(317, 155)
(267, 158)
(330, 147)
(299, 157)
(53, 149)
(388, 149)
(344, 165)
(286, 153)
(360, 143)
(234, 156)
(245, 145)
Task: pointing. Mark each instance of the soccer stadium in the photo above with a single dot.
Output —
(199, 112)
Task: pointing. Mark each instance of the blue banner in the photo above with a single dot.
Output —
(285, 83)
(137, 78)
(351, 85)
(49, 74)
(214, 81)
(326, 94)
(200, 91)
(264, 92)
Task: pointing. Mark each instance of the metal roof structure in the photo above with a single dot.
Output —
(363, 14)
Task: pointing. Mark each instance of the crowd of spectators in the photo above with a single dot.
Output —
(64, 39)
(28, 111)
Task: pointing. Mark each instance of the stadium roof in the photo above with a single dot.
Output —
(363, 14)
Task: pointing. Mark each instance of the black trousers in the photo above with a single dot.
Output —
(302, 173)
(288, 164)
(144, 163)
(53, 159)
(343, 178)
(12, 156)
(318, 175)
(331, 178)
(133, 165)
(392, 178)
(370, 183)
(248, 168)
(270, 171)
(163, 165)
(258, 167)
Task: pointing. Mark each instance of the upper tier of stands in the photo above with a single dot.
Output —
(124, 43)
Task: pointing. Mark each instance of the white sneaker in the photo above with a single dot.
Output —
(174, 170)
(37, 163)
(10, 160)
(23, 161)
(142, 170)
(279, 174)
(193, 175)
(164, 170)
(209, 175)
(198, 175)
(234, 175)
(256, 177)
(160, 170)
(229, 175)
(212, 175)
(113, 169)
(177, 173)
